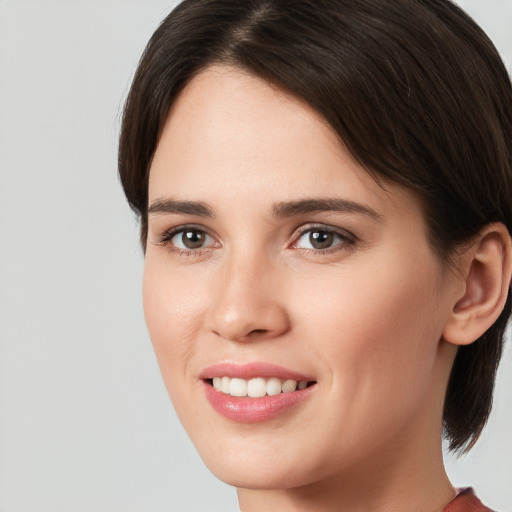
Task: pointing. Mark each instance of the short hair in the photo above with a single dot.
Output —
(415, 90)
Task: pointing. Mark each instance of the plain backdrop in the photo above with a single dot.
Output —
(85, 422)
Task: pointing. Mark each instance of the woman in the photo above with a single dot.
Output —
(325, 196)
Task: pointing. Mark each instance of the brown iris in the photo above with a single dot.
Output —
(321, 239)
(193, 238)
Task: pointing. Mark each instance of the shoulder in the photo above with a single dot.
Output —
(466, 501)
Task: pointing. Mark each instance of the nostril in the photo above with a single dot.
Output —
(248, 322)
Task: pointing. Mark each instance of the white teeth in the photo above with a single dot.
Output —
(258, 387)
(224, 386)
(238, 387)
(289, 386)
(273, 386)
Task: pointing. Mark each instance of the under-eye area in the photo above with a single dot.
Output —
(257, 387)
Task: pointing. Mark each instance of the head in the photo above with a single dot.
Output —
(414, 93)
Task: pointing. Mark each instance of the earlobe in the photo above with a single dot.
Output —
(486, 271)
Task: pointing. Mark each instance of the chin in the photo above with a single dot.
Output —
(249, 476)
(254, 462)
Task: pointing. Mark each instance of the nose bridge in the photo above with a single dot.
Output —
(247, 304)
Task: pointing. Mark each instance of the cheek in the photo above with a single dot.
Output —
(376, 331)
(172, 313)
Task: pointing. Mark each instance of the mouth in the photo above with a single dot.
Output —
(254, 392)
(257, 387)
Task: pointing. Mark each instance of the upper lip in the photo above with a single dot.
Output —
(252, 370)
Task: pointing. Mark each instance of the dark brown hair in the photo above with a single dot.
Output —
(415, 90)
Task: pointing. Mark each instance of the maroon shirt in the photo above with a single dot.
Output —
(466, 501)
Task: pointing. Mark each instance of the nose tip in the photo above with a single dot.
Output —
(248, 308)
(243, 322)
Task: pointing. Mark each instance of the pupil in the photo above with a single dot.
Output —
(321, 239)
(193, 239)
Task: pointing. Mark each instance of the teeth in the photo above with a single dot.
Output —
(238, 387)
(289, 386)
(258, 387)
(224, 385)
(274, 386)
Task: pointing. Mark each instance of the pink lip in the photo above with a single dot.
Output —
(253, 410)
(251, 371)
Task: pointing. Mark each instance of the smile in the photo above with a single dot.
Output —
(255, 392)
(257, 387)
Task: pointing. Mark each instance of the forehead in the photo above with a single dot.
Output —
(231, 136)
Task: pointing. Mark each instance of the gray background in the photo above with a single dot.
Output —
(85, 422)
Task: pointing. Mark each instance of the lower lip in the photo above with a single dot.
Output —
(254, 410)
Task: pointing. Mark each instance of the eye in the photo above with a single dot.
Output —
(188, 239)
(322, 239)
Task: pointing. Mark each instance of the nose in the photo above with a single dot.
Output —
(248, 302)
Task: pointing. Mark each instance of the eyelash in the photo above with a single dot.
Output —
(166, 238)
(346, 240)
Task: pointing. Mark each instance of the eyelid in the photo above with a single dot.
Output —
(347, 236)
(169, 232)
(165, 237)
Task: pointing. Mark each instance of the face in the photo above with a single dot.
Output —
(276, 267)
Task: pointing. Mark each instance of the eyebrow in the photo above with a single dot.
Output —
(279, 210)
(169, 205)
(289, 209)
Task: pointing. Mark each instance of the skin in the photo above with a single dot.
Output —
(365, 317)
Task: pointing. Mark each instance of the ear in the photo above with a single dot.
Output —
(486, 273)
